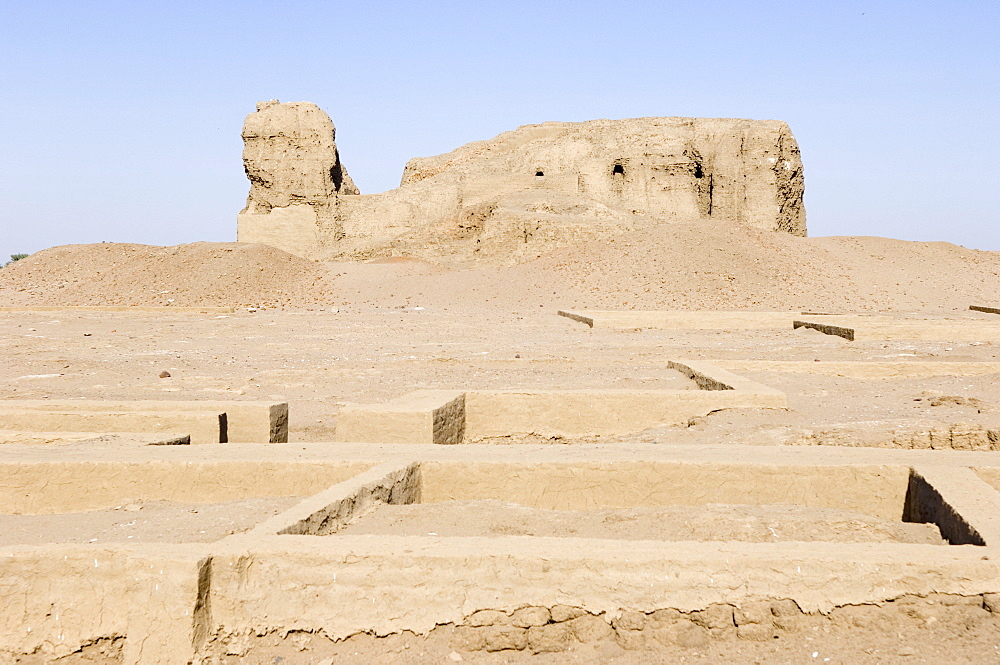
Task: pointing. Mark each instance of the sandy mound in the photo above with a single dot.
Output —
(672, 266)
(700, 266)
(722, 266)
(197, 274)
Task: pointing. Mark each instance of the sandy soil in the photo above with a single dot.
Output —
(203, 274)
(143, 522)
(757, 524)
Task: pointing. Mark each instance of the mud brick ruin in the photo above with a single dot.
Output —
(406, 426)
(523, 191)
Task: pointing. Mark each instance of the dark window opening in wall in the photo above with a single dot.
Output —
(698, 173)
(618, 169)
(539, 174)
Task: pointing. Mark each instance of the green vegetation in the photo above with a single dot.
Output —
(15, 257)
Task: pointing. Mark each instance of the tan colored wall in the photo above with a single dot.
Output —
(58, 487)
(441, 416)
(597, 412)
(864, 328)
(873, 490)
(683, 320)
(166, 600)
(963, 505)
(423, 416)
(294, 228)
(327, 512)
(58, 598)
(927, 435)
(203, 427)
(246, 421)
(857, 369)
(392, 584)
(124, 438)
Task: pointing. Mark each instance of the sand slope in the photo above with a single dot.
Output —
(726, 266)
(700, 266)
(673, 266)
(202, 273)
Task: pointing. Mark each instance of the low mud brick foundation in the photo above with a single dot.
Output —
(859, 369)
(246, 421)
(423, 416)
(47, 487)
(682, 320)
(167, 603)
(500, 413)
(884, 328)
(69, 596)
(433, 416)
(206, 426)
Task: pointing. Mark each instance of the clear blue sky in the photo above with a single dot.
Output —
(121, 120)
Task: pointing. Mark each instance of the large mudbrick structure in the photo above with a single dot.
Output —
(520, 193)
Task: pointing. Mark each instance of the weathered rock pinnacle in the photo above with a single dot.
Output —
(290, 156)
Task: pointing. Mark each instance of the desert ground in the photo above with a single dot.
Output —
(321, 335)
